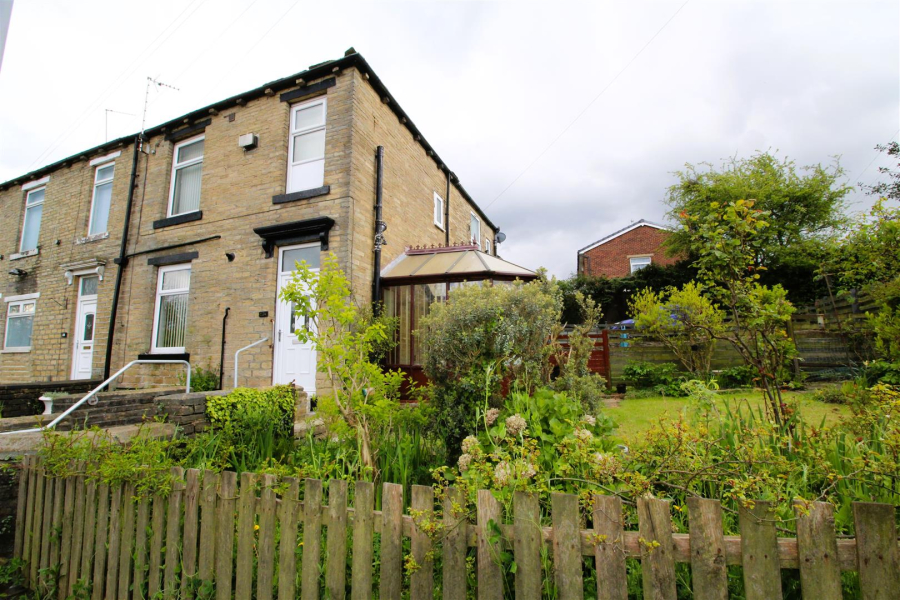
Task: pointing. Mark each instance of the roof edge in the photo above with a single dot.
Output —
(623, 231)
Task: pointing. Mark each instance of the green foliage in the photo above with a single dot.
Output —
(891, 188)
(202, 379)
(575, 376)
(245, 407)
(735, 377)
(659, 379)
(684, 320)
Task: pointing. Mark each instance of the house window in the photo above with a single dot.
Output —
(187, 170)
(639, 262)
(306, 160)
(170, 318)
(487, 245)
(103, 179)
(438, 211)
(475, 230)
(31, 228)
(19, 325)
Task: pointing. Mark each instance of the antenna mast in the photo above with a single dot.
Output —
(146, 102)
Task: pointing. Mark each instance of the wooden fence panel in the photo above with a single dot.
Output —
(28, 537)
(609, 548)
(246, 538)
(56, 527)
(312, 539)
(65, 549)
(759, 552)
(207, 555)
(391, 540)
(171, 583)
(708, 573)
(490, 574)
(363, 537)
(140, 549)
(225, 504)
(126, 544)
(47, 527)
(24, 471)
(75, 555)
(454, 546)
(100, 540)
(422, 580)
(191, 529)
(114, 540)
(90, 526)
(876, 549)
(336, 550)
(157, 532)
(37, 539)
(287, 561)
(527, 545)
(657, 560)
(265, 571)
(820, 571)
(567, 546)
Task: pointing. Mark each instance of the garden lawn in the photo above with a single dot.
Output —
(634, 416)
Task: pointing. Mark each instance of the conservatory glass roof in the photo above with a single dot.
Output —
(452, 261)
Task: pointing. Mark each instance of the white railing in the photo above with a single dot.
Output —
(236, 354)
(93, 392)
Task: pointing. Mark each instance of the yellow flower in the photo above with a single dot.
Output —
(256, 528)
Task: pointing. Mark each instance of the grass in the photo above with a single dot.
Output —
(634, 416)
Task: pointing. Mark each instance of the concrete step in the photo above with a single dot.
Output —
(17, 444)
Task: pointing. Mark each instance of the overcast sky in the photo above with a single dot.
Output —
(527, 102)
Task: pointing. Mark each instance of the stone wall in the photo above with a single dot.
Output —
(21, 399)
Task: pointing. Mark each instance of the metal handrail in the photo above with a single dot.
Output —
(256, 343)
(93, 392)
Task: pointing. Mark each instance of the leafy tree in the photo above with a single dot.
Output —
(887, 189)
(684, 320)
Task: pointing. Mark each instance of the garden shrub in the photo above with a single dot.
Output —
(657, 379)
(735, 377)
(575, 375)
(202, 379)
(247, 407)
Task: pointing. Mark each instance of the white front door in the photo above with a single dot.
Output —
(85, 328)
(294, 361)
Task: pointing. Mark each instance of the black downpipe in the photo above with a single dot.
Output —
(122, 261)
(379, 233)
(222, 354)
(447, 212)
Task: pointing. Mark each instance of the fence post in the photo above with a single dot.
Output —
(609, 548)
(77, 543)
(225, 527)
(100, 539)
(125, 549)
(527, 545)
(287, 565)
(37, 539)
(759, 552)
(454, 545)
(246, 538)
(657, 560)
(391, 540)
(265, 570)
(422, 580)
(820, 572)
(207, 556)
(157, 529)
(24, 471)
(65, 549)
(336, 549)
(90, 526)
(490, 575)
(191, 525)
(363, 534)
(876, 549)
(171, 584)
(140, 548)
(708, 573)
(312, 539)
(567, 546)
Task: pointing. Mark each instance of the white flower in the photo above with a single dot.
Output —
(606, 462)
(589, 419)
(529, 471)
(515, 425)
(470, 444)
(584, 435)
(464, 461)
(502, 473)
(491, 415)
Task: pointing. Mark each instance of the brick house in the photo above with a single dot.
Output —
(626, 251)
(183, 237)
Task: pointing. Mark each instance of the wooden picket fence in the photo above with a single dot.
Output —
(74, 529)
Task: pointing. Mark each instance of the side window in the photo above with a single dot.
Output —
(31, 227)
(187, 171)
(306, 154)
(487, 245)
(475, 230)
(19, 325)
(170, 318)
(103, 181)
(438, 211)
(639, 262)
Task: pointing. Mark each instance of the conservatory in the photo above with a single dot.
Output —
(422, 276)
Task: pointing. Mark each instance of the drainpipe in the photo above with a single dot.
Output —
(447, 212)
(222, 354)
(122, 261)
(379, 229)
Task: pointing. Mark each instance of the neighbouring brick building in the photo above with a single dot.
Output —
(626, 251)
(222, 201)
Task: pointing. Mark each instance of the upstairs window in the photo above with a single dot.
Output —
(639, 262)
(103, 180)
(306, 155)
(31, 228)
(475, 230)
(487, 245)
(170, 319)
(438, 211)
(19, 325)
(187, 170)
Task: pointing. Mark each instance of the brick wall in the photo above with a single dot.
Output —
(611, 259)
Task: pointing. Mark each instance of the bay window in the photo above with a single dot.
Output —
(170, 316)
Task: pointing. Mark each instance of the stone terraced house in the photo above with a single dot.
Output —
(175, 244)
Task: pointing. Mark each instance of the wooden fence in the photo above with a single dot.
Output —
(245, 537)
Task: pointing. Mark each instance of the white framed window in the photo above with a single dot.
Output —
(487, 245)
(438, 211)
(103, 182)
(639, 262)
(19, 324)
(170, 316)
(187, 172)
(475, 230)
(31, 227)
(306, 152)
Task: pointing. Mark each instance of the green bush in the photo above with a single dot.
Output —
(202, 379)
(663, 379)
(247, 407)
(735, 377)
(881, 371)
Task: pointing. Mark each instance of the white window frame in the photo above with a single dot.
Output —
(438, 211)
(641, 264)
(94, 196)
(25, 220)
(177, 165)
(19, 301)
(487, 246)
(476, 237)
(292, 133)
(154, 349)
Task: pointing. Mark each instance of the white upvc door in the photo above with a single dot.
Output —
(295, 361)
(85, 328)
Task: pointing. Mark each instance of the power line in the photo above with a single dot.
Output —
(586, 108)
(874, 159)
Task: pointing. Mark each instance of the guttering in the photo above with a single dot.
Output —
(169, 247)
(379, 229)
(222, 354)
(122, 261)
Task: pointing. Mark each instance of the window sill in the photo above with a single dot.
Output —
(92, 238)
(301, 195)
(441, 227)
(15, 350)
(178, 219)
(165, 356)
(24, 254)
